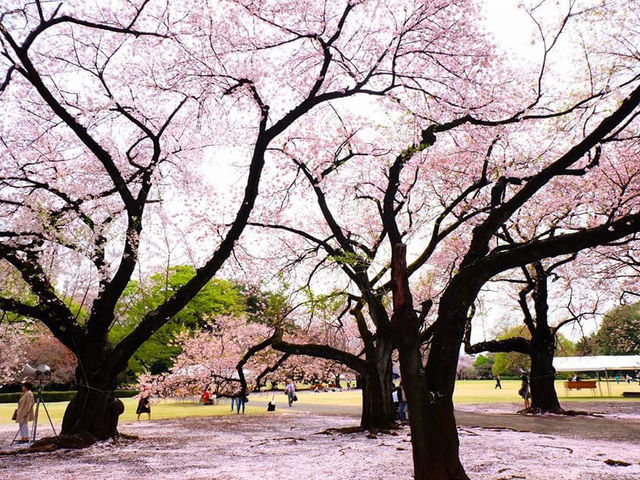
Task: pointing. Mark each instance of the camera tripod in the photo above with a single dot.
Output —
(38, 401)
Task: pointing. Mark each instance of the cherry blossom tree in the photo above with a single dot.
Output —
(328, 161)
(88, 150)
(210, 356)
(481, 189)
(47, 349)
(541, 342)
(13, 353)
(231, 354)
(486, 252)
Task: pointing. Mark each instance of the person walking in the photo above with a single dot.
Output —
(290, 390)
(24, 412)
(144, 405)
(498, 383)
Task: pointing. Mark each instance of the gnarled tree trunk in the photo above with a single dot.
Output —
(378, 411)
(429, 388)
(434, 436)
(543, 392)
(94, 410)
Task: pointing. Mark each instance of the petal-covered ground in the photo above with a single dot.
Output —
(289, 445)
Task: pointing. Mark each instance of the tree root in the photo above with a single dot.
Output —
(616, 463)
(373, 432)
(51, 444)
(341, 431)
(556, 411)
(75, 441)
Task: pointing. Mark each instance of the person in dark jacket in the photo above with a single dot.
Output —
(144, 405)
(402, 404)
(241, 400)
(525, 390)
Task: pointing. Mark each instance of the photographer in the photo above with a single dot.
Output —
(24, 413)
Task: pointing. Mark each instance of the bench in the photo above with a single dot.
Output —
(579, 385)
(631, 394)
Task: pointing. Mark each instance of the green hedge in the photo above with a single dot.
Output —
(60, 396)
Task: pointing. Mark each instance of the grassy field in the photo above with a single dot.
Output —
(482, 391)
(160, 409)
(468, 391)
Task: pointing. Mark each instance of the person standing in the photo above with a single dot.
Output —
(498, 383)
(241, 400)
(144, 405)
(525, 391)
(24, 413)
(234, 395)
(290, 390)
(402, 405)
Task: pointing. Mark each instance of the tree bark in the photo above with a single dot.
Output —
(434, 436)
(378, 412)
(429, 389)
(543, 392)
(94, 410)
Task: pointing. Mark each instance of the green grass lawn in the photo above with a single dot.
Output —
(467, 391)
(482, 391)
(160, 409)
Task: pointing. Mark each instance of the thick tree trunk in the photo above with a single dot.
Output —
(374, 375)
(543, 392)
(378, 412)
(429, 389)
(434, 436)
(94, 410)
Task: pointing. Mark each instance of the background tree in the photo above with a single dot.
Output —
(536, 342)
(619, 332)
(13, 353)
(483, 365)
(156, 355)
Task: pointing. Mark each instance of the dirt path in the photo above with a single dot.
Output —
(608, 429)
(618, 422)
